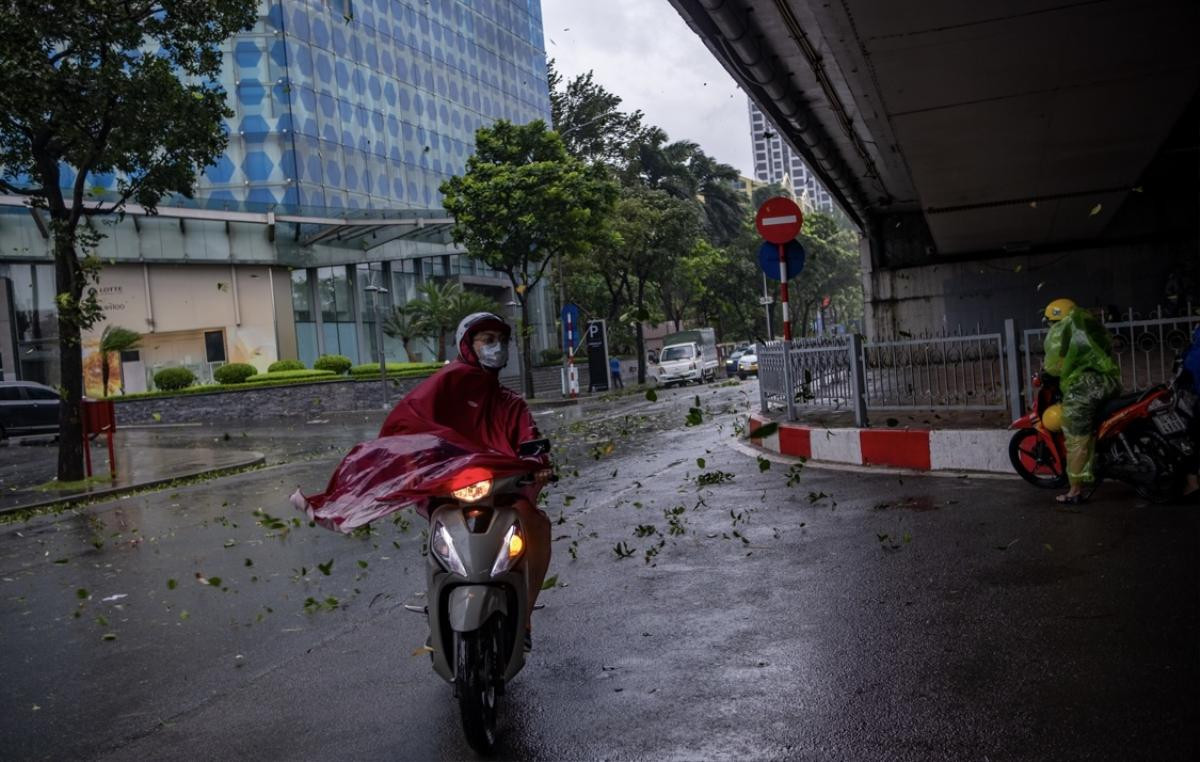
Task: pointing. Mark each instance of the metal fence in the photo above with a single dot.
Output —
(1145, 347)
(974, 372)
(952, 372)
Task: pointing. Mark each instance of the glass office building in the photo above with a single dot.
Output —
(348, 116)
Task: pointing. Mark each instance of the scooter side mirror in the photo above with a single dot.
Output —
(534, 448)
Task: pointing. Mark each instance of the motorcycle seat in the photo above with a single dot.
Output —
(1123, 401)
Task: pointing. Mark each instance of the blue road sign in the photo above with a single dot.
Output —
(570, 322)
(768, 259)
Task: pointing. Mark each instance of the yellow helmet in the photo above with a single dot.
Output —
(1059, 309)
(1052, 418)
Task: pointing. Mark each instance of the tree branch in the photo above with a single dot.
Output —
(4, 184)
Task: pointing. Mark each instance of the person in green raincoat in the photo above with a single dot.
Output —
(1079, 353)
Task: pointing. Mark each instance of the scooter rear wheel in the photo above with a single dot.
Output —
(1035, 460)
(477, 660)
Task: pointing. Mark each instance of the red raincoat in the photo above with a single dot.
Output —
(452, 430)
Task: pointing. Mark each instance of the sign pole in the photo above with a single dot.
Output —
(789, 393)
(572, 385)
(783, 292)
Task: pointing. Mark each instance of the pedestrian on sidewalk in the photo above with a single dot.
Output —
(614, 367)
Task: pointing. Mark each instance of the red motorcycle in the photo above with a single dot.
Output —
(1143, 441)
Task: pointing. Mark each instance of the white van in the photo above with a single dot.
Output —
(688, 356)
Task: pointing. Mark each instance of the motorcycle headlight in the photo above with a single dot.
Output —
(473, 492)
(441, 544)
(510, 550)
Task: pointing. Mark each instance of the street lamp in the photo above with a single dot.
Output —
(377, 293)
(514, 308)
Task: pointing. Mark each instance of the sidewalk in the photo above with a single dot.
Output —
(24, 468)
(952, 445)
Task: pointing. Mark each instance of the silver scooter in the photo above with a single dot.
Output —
(476, 598)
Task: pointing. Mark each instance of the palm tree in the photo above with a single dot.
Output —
(406, 323)
(115, 339)
(467, 302)
(436, 310)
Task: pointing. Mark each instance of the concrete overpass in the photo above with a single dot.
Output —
(994, 153)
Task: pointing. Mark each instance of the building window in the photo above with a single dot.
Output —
(214, 346)
(301, 296)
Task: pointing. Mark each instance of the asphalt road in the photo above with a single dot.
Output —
(852, 615)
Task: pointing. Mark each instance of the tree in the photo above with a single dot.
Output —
(114, 340)
(436, 311)
(523, 201)
(405, 323)
(588, 118)
(653, 229)
(832, 268)
(128, 87)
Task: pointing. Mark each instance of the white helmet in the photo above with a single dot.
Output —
(472, 324)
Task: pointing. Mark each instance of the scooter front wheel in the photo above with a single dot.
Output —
(477, 659)
(1036, 460)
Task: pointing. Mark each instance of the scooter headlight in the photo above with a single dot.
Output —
(441, 544)
(473, 492)
(510, 550)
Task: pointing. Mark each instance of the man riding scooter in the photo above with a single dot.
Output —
(1079, 353)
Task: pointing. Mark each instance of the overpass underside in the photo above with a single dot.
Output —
(995, 154)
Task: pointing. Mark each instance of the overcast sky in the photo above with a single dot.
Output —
(643, 51)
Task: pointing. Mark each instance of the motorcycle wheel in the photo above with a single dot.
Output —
(1162, 490)
(1035, 461)
(477, 662)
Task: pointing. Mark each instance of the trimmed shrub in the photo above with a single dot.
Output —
(337, 363)
(170, 379)
(234, 373)
(551, 356)
(369, 369)
(292, 375)
(279, 365)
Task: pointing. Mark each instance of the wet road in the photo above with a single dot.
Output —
(844, 616)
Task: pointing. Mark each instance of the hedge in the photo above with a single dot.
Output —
(234, 373)
(336, 363)
(292, 375)
(279, 365)
(171, 379)
(367, 370)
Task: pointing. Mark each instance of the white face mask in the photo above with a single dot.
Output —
(493, 356)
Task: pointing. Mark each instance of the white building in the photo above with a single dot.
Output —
(776, 162)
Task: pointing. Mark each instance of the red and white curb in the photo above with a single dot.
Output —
(981, 450)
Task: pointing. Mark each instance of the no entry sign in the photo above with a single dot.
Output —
(779, 220)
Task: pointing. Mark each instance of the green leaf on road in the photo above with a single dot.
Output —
(81, 594)
(695, 417)
(109, 636)
(700, 462)
(62, 560)
(156, 416)
(763, 464)
(326, 567)
(550, 582)
(171, 584)
(362, 564)
(651, 395)
(764, 431)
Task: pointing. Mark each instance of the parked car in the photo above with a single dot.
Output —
(27, 408)
(748, 365)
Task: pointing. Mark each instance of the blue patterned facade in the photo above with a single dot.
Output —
(371, 104)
